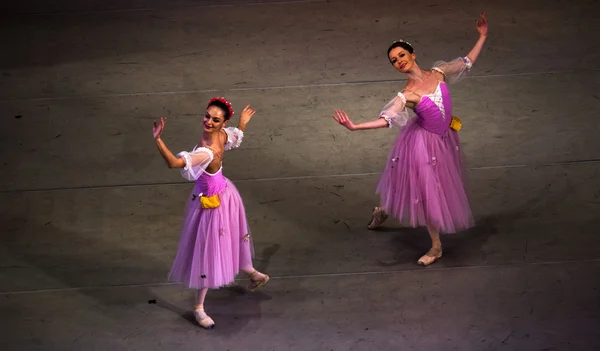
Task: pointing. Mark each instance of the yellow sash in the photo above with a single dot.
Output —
(455, 123)
(210, 201)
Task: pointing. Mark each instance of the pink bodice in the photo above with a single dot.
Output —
(210, 184)
(434, 111)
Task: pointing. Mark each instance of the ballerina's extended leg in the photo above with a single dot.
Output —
(379, 216)
(257, 279)
(201, 317)
(436, 247)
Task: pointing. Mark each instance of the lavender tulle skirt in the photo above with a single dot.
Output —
(215, 243)
(423, 180)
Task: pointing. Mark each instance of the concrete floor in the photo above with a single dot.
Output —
(91, 216)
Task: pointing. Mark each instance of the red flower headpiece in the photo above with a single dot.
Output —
(224, 102)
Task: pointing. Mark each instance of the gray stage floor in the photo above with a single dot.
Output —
(91, 215)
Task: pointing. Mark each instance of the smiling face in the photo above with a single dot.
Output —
(402, 59)
(214, 119)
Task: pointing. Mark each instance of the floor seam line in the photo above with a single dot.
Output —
(272, 179)
(184, 7)
(322, 275)
(280, 87)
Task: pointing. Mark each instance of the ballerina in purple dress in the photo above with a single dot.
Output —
(422, 183)
(215, 242)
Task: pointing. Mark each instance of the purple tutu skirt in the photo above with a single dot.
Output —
(422, 183)
(215, 244)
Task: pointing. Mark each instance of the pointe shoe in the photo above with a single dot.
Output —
(255, 284)
(431, 256)
(203, 319)
(379, 216)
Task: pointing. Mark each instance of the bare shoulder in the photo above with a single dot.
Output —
(438, 74)
(223, 136)
(222, 141)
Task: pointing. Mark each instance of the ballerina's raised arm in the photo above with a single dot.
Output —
(455, 70)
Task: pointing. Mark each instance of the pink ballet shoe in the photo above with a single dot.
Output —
(254, 283)
(379, 216)
(431, 256)
(202, 318)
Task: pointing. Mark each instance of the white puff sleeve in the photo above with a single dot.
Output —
(234, 138)
(395, 112)
(454, 70)
(195, 162)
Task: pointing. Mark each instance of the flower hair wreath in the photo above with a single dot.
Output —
(402, 41)
(224, 102)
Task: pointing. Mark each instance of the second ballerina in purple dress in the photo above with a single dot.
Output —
(422, 183)
(215, 243)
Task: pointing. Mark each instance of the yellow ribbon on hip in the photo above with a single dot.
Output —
(455, 123)
(210, 201)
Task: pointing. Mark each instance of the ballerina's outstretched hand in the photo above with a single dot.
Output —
(482, 25)
(247, 114)
(245, 117)
(342, 118)
(158, 129)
